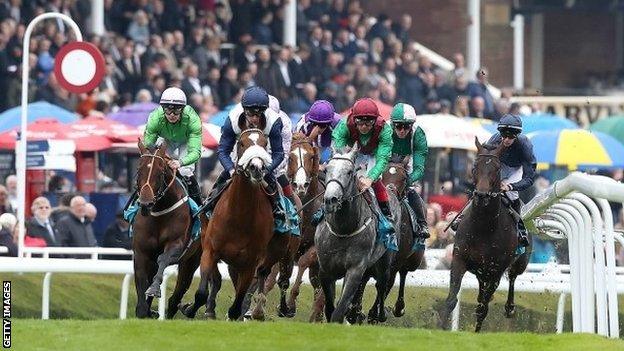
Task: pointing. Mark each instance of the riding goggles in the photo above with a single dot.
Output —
(402, 126)
(508, 134)
(173, 108)
(365, 122)
(254, 111)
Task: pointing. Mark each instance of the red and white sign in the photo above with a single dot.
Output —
(79, 67)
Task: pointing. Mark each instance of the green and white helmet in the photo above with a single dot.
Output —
(403, 113)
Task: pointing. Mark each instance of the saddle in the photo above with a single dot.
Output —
(412, 215)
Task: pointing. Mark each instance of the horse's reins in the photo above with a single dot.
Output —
(149, 175)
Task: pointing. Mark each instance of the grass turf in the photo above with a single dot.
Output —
(220, 335)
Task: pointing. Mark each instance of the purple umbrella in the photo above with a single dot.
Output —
(135, 114)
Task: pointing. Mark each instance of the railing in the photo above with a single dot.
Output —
(94, 252)
(577, 209)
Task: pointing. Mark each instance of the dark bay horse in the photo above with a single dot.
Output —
(346, 241)
(486, 240)
(240, 233)
(161, 227)
(303, 172)
(406, 260)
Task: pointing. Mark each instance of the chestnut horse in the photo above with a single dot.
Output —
(486, 240)
(160, 228)
(406, 260)
(240, 233)
(303, 172)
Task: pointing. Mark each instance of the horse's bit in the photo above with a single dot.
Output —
(342, 187)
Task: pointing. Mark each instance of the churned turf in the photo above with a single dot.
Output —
(220, 335)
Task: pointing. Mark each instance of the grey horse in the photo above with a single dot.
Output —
(346, 241)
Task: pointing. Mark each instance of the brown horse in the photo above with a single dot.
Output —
(240, 233)
(303, 172)
(160, 228)
(406, 260)
(486, 240)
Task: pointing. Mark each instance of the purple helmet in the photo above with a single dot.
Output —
(322, 112)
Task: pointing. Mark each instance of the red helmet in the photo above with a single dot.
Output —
(365, 107)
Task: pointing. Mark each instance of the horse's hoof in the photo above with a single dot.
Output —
(210, 315)
(153, 292)
(185, 309)
(285, 313)
(154, 314)
(510, 311)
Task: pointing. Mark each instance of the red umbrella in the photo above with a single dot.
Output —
(45, 129)
(100, 126)
(384, 110)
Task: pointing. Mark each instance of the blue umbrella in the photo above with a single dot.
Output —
(37, 110)
(219, 118)
(545, 121)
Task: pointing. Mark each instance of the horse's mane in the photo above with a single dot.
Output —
(298, 137)
(490, 147)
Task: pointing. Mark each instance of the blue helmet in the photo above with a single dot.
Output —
(511, 123)
(255, 97)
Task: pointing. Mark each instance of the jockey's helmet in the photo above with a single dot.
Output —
(173, 96)
(365, 108)
(403, 114)
(321, 112)
(510, 124)
(255, 98)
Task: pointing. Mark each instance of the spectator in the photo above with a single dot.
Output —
(117, 235)
(41, 224)
(11, 186)
(412, 89)
(477, 107)
(90, 212)
(8, 237)
(74, 230)
(139, 30)
(5, 204)
(461, 107)
(480, 88)
(191, 84)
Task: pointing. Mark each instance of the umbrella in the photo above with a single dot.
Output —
(545, 121)
(219, 118)
(577, 148)
(210, 134)
(37, 110)
(447, 131)
(47, 129)
(117, 132)
(135, 114)
(614, 126)
(384, 109)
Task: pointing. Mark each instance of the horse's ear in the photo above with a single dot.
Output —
(478, 145)
(142, 148)
(354, 150)
(499, 150)
(406, 159)
(162, 149)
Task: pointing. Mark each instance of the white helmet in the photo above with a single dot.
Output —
(274, 104)
(173, 96)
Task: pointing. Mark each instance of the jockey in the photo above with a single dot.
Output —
(180, 126)
(282, 169)
(410, 140)
(517, 164)
(319, 123)
(253, 112)
(374, 137)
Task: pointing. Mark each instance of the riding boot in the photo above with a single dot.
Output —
(131, 199)
(460, 216)
(523, 236)
(193, 189)
(216, 191)
(418, 205)
(274, 198)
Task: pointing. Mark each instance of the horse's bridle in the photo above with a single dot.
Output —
(240, 170)
(342, 187)
(300, 156)
(475, 192)
(160, 194)
(402, 167)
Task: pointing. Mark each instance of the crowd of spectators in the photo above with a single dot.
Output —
(213, 49)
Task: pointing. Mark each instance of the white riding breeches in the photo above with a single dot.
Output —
(511, 175)
(177, 151)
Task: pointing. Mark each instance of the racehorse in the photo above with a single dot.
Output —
(406, 260)
(160, 228)
(486, 240)
(240, 233)
(347, 241)
(303, 172)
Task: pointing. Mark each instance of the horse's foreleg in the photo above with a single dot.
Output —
(458, 269)
(144, 270)
(352, 282)
(271, 279)
(516, 268)
(328, 285)
(186, 269)
(207, 265)
(399, 306)
(319, 296)
(243, 280)
(486, 291)
(168, 257)
(354, 315)
(260, 298)
(302, 265)
(215, 286)
(286, 269)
